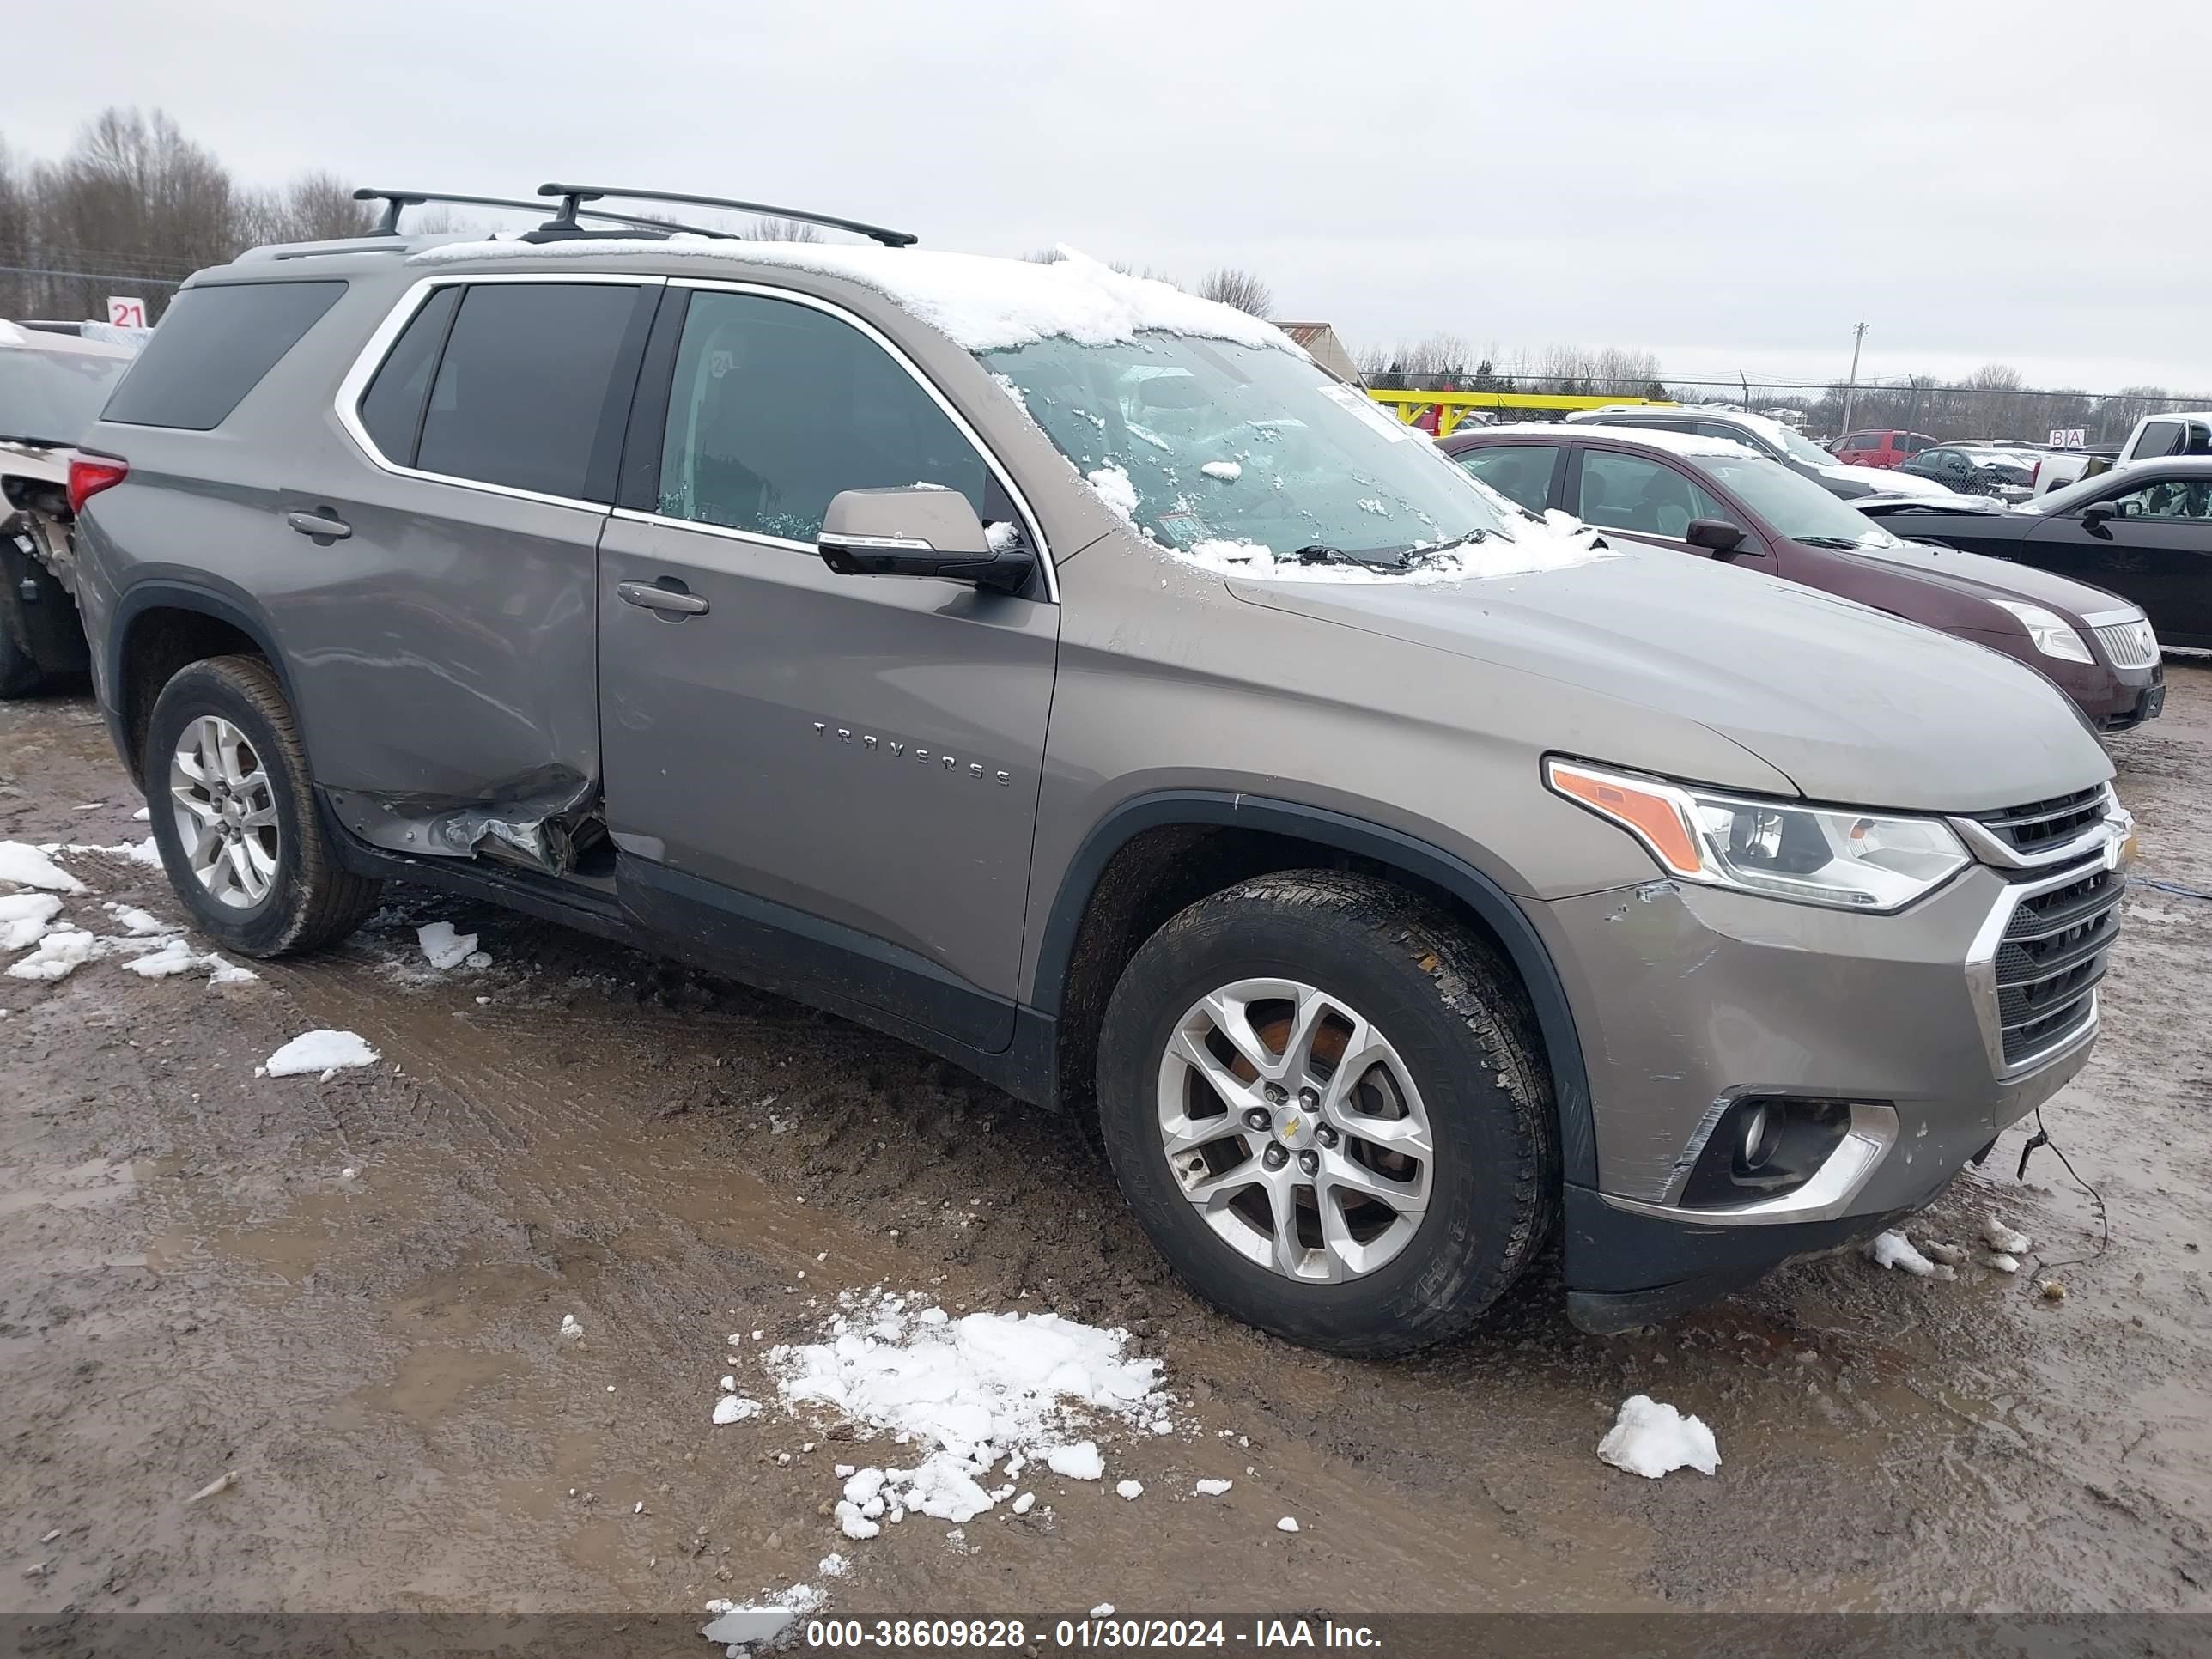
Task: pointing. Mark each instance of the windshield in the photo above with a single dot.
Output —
(1798, 445)
(54, 396)
(1792, 503)
(1202, 442)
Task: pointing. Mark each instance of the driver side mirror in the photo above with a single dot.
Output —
(1718, 537)
(2098, 515)
(918, 531)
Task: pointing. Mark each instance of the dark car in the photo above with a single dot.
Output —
(1714, 499)
(1976, 469)
(2142, 531)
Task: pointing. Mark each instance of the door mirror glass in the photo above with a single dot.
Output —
(1716, 536)
(919, 531)
(2099, 512)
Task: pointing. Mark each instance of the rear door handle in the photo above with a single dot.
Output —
(651, 596)
(322, 526)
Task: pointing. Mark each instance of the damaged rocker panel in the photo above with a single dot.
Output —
(543, 820)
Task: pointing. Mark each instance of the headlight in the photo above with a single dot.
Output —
(2052, 634)
(1814, 855)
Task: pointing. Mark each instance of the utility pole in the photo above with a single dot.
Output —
(1850, 391)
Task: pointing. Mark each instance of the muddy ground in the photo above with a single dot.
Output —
(191, 1283)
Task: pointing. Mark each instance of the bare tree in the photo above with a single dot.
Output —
(315, 207)
(769, 228)
(1240, 288)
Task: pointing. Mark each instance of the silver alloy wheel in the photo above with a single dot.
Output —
(1292, 1125)
(225, 812)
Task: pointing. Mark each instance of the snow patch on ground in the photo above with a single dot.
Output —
(1650, 1439)
(1894, 1250)
(734, 1408)
(1227, 471)
(59, 954)
(319, 1051)
(27, 866)
(737, 1625)
(25, 918)
(967, 1393)
(176, 956)
(2003, 1241)
(442, 946)
(1213, 1488)
(140, 924)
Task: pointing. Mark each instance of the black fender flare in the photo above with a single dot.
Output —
(1555, 1018)
(167, 593)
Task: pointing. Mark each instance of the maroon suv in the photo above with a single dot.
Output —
(1710, 498)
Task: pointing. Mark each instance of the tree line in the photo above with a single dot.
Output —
(135, 207)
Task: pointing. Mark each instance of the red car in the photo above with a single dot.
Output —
(1882, 448)
(1709, 498)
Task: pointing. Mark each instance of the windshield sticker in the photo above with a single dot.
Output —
(1389, 426)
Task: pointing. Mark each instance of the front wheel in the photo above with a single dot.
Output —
(233, 814)
(1323, 1098)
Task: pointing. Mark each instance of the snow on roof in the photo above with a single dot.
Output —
(984, 304)
(1657, 437)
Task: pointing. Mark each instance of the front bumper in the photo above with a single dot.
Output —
(1689, 998)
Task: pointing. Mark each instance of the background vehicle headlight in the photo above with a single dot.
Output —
(2052, 634)
(1814, 855)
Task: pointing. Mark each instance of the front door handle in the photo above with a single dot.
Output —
(323, 526)
(675, 599)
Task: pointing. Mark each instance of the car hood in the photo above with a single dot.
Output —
(1851, 705)
(1997, 579)
(1887, 480)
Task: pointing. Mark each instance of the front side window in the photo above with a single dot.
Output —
(2159, 438)
(1203, 441)
(2186, 499)
(1627, 492)
(1520, 472)
(776, 407)
(526, 392)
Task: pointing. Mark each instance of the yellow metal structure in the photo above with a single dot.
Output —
(1451, 407)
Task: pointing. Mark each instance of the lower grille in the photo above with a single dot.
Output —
(2130, 645)
(2050, 960)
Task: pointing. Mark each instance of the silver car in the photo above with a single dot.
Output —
(1067, 675)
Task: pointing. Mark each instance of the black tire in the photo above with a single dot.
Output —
(20, 673)
(313, 899)
(1458, 1018)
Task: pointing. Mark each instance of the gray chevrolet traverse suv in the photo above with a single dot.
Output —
(1068, 675)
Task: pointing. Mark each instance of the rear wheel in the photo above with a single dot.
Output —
(234, 815)
(1322, 1098)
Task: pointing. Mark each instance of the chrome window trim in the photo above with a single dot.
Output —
(1982, 968)
(355, 386)
(1030, 524)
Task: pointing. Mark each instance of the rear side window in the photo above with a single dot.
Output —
(776, 407)
(2159, 438)
(213, 347)
(533, 385)
(391, 412)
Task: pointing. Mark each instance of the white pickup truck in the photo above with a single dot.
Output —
(2156, 435)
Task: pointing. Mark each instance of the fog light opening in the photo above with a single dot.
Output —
(1764, 1146)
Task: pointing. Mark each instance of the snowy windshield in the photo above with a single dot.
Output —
(1792, 503)
(1204, 441)
(54, 396)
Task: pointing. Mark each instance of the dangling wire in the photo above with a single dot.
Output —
(2042, 1138)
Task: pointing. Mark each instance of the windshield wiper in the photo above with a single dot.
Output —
(1829, 541)
(1318, 553)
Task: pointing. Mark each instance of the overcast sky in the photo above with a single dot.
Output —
(1732, 186)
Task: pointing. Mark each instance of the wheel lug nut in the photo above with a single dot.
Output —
(1310, 1161)
(1309, 1099)
(1325, 1134)
(1274, 1093)
(1256, 1119)
(1274, 1157)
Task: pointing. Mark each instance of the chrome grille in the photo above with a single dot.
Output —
(2049, 958)
(2130, 644)
(2045, 822)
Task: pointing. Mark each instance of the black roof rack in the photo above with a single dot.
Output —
(573, 195)
(565, 222)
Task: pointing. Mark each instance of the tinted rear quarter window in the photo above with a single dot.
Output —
(213, 347)
(531, 386)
